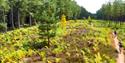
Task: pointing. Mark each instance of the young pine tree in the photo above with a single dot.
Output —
(48, 21)
(89, 20)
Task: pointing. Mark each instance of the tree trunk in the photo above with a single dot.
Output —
(22, 19)
(4, 19)
(18, 18)
(12, 21)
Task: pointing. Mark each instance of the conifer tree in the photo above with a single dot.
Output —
(89, 20)
(48, 21)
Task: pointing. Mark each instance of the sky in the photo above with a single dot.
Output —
(91, 5)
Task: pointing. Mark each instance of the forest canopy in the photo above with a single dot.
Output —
(112, 11)
(18, 13)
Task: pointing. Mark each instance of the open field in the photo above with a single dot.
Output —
(79, 43)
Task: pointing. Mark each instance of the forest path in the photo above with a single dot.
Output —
(120, 56)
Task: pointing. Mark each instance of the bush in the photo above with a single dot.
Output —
(89, 20)
(3, 27)
(63, 21)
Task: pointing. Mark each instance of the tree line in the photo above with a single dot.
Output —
(20, 13)
(112, 11)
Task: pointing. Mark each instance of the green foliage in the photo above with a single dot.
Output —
(69, 8)
(112, 11)
(4, 4)
(89, 20)
(84, 13)
(49, 21)
(17, 13)
(3, 27)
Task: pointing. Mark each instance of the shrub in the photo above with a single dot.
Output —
(89, 20)
(3, 27)
(63, 21)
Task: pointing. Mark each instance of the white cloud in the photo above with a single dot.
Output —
(91, 5)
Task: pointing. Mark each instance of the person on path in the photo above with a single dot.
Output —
(120, 47)
(118, 44)
(117, 47)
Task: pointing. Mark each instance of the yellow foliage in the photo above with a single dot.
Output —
(30, 52)
(49, 61)
(63, 21)
(21, 54)
(58, 60)
(98, 58)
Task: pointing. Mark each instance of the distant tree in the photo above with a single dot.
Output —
(11, 14)
(112, 11)
(84, 13)
(4, 8)
(17, 13)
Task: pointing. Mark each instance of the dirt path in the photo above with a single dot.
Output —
(120, 56)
